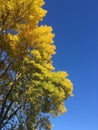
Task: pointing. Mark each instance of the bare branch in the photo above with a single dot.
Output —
(4, 123)
(5, 100)
(6, 112)
(7, 68)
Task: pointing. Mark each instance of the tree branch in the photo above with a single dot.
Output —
(2, 61)
(4, 123)
(6, 112)
(4, 18)
(7, 68)
(4, 103)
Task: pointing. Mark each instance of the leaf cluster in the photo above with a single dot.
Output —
(29, 85)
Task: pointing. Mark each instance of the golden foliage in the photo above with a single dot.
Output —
(26, 50)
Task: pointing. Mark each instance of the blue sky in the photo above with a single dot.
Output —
(75, 24)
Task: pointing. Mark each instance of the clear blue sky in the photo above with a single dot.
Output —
(75, 23)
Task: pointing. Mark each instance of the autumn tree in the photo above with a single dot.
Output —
(30, 88)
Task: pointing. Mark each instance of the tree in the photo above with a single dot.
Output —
(30, 88)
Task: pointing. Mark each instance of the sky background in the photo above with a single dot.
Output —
(75, 24)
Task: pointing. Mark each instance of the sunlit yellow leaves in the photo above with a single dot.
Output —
(31, 47)
(10, 5)
(36, 54)
(49, 66)
(12, 38)
(68, 86)
(21, 11)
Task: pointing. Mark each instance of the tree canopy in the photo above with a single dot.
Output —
(30, 88)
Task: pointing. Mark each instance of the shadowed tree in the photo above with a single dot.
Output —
(30, 88)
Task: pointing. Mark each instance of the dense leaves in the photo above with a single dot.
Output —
(30, 89)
